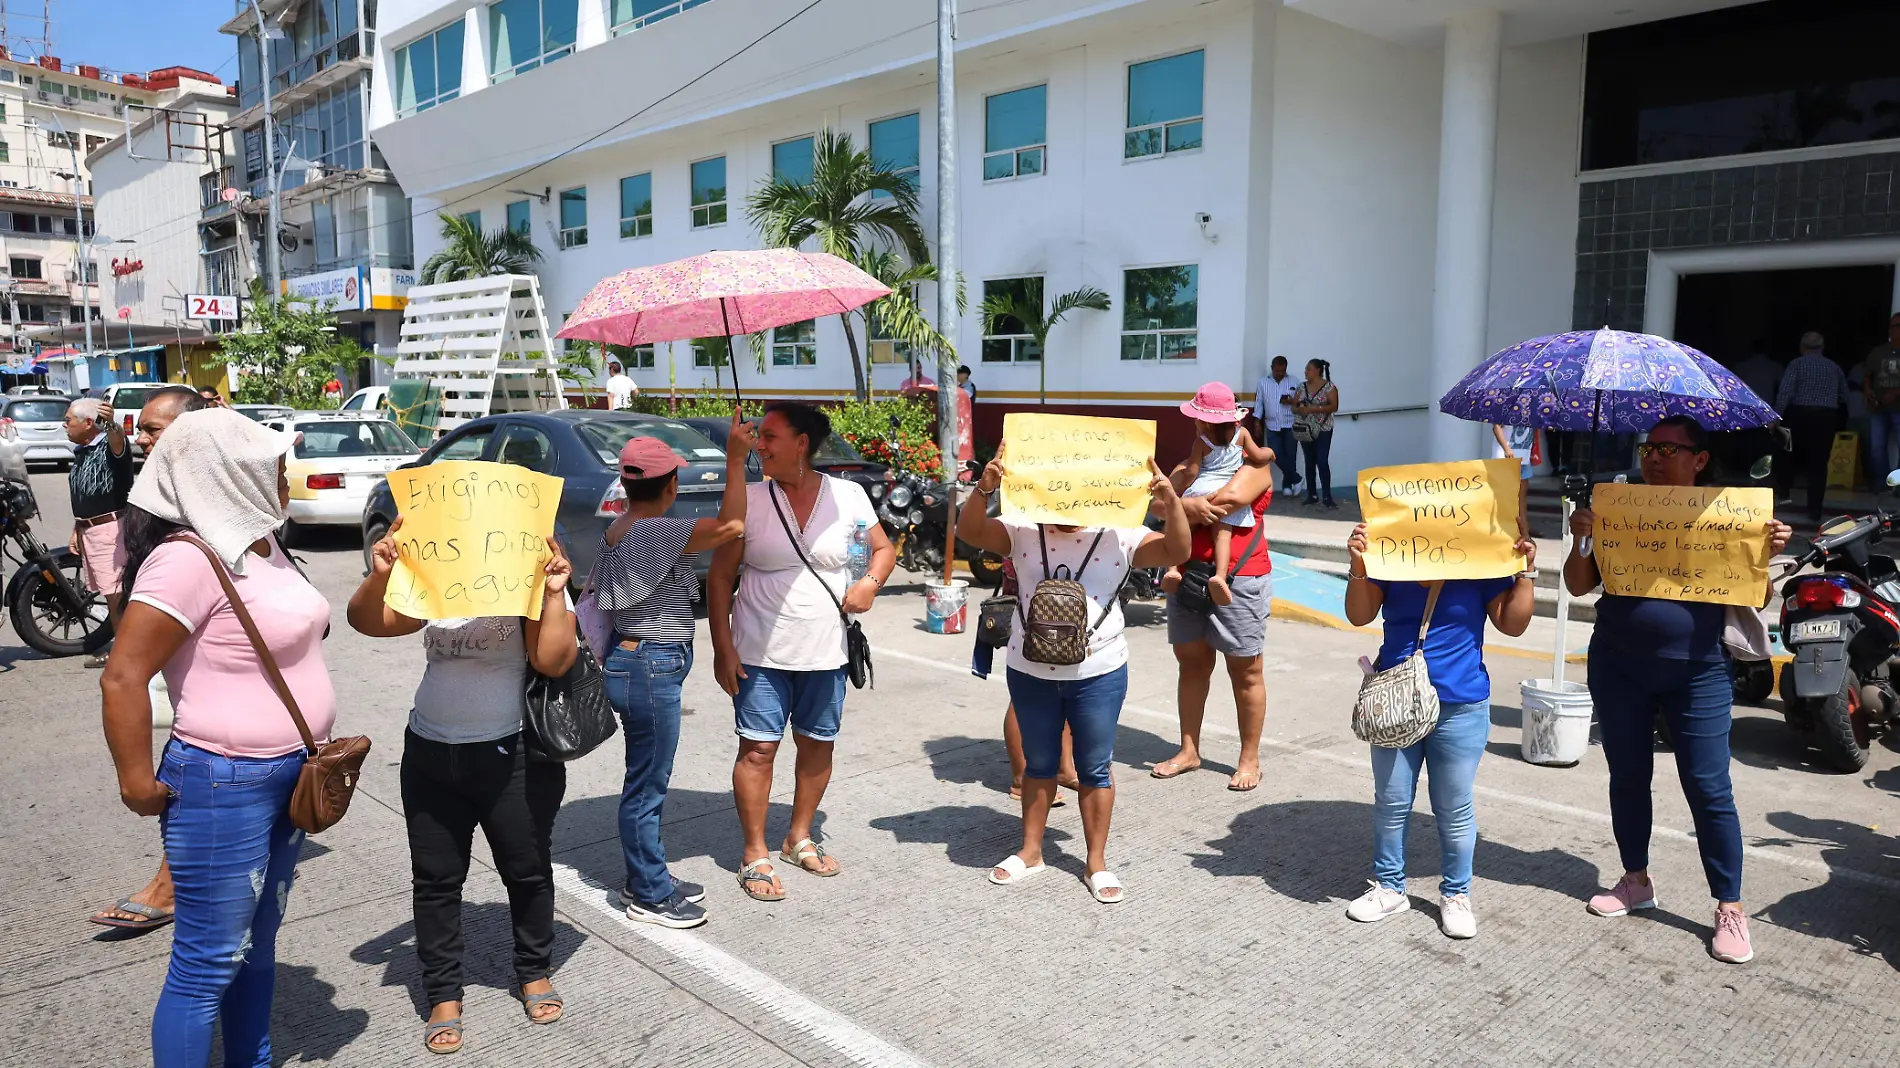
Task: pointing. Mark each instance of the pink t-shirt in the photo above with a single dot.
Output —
(221, 697)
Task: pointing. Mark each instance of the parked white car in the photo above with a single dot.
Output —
(38, 424)
(342, 457)
(368, 399)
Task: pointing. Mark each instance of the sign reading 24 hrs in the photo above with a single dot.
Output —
(211, 306)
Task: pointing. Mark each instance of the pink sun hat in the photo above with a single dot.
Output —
(1213, 403)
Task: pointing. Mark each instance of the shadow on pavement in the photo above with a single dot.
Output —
(1843, 909)
(695, 823)
(488, 961)
(306, 1024)
(975, 836)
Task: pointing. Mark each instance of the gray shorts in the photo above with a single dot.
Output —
(1238, 629)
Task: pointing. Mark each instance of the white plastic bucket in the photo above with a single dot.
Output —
(1556, 722)
(946, 607)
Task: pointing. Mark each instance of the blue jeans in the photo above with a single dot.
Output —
(1883, 432)
(233, 852)
(644, 687)
(1450, 753)
(770, 699)
(1695, 699)
(1090, 707)
(1286, 456)
(1318, 456)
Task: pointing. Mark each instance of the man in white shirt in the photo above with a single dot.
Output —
(620, 388)
(1273, 421)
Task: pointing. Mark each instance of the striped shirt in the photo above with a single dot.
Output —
(1812, 381)
(647, 583)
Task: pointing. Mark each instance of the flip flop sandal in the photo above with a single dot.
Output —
(154, 918)
(453, 1027)
(1179, 770)
(1242, 789)
(750, 875)
(806, 848)
(1017, 871)
(531, 1002)
(1102, 882)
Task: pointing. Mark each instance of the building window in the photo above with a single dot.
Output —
(24, 267)
(894, 147)
(632, 357)
(1007, 340)
(791, 161)
(627, 16)
(58, 139)
(525, 34)
(884, 346)
(795, 345)
(6, 153)
(91, 272)
(1161, 313)
(518, 217)
(134, 102)
(709, 192)
(473, 219)
(89, 94)
(1164, 106)
(429, 70)
(1757, 78)
(1015, 133)
(636, 205)
(709, 353)
(574, 217)
(3, 111)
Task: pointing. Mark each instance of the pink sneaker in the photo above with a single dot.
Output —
(1730, 944)
(1625, 897)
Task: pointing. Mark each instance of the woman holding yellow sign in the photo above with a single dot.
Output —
(1651, 655)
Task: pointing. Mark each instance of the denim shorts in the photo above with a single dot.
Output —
(812, 702)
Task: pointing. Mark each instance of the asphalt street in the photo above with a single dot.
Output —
(1232, 947)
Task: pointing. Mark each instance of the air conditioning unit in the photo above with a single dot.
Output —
(45, 96)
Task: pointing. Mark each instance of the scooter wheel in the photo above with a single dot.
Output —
(1841, 728)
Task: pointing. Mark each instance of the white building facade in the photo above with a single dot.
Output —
(1394, 188)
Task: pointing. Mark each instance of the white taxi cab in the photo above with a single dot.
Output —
(340, 459)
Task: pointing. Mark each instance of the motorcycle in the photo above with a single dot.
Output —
(912, 510)
(1843, 630)
(51, 608)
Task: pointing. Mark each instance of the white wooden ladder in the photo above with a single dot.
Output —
(484, 344)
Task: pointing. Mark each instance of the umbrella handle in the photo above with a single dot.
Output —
(738, 401)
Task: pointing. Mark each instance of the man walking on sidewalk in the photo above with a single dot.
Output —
(1273, 416)
(1880, 384)
(1813, 392)
(99, 482)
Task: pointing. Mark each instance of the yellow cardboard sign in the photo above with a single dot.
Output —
(474, 540)
(1076, 470)
(1455, 520)
(1684, 543)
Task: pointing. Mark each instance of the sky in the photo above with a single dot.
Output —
(137, 35)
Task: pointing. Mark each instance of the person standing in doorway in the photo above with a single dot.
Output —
(1313, 408)
(1273, 421)
(620, 388)
(99, 481)
(1880, 385)
(1813, 392)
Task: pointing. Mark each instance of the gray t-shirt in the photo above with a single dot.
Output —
(474, 683)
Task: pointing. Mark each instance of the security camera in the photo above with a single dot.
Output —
(1202, 218)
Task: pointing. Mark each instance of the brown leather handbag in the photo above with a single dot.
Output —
(1056, 626)
(330, 772)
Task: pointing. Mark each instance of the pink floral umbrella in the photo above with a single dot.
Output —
(719, 293)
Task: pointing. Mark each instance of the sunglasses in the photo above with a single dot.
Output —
(1665, 449)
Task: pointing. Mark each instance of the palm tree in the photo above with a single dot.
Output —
(898, 316)
(851, 207)
(470, 253)
(1000, 306)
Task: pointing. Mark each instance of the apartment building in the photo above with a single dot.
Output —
(1397, 189)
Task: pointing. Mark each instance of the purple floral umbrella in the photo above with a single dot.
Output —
(1607, 381)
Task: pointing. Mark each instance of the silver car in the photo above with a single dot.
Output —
(40, 424)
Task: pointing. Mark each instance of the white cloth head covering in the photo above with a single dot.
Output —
(217, 475)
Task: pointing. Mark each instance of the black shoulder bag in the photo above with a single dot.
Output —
(568, 717)
(1193, 596)
(857, 648)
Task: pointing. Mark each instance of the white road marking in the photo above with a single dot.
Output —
(1591, 815)
(787, 1005)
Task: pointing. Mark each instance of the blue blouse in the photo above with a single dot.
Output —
(1454, 646)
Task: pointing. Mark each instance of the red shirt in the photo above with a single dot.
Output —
(1258, 562)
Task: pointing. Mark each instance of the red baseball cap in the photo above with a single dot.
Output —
(644, 457)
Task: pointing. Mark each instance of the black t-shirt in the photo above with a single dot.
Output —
(100, 481)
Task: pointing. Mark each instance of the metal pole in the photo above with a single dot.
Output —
(947, 317)
(85, 245)
(1563, 605)
(274, 255)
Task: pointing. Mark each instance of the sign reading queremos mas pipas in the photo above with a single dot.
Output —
(1457, 520)
(1076, 470)
(474, 540)
(1684, 543)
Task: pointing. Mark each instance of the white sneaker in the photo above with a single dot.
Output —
(1377, 903)
(1455, 917)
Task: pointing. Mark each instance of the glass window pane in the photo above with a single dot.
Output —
(1012, 120)
(573, 208)
(448, 57)
(1029, 161)
(1161, 298)
(558, 20)
(1027, 351)
(715, 215)
(636, 195)
(473, 218)
(996, 351)
(709, 181)
(1183, 136)
(1001, 165)
(514, 30)
(1179, 346)
(518, 217)
(1163, 90)
(405, 81)
(792, 160)
(1138, 143)
(1138, 346)
(894, 143)
(422, 64)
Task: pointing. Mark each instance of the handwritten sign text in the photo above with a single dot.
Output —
(1076, 470)
(1684, 543)
(1441, 521)
(474, 540)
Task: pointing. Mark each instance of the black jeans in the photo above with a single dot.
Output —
(449, 790)
(1813, 430)
(1317, 455)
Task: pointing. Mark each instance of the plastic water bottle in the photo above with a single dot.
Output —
(858, 553)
